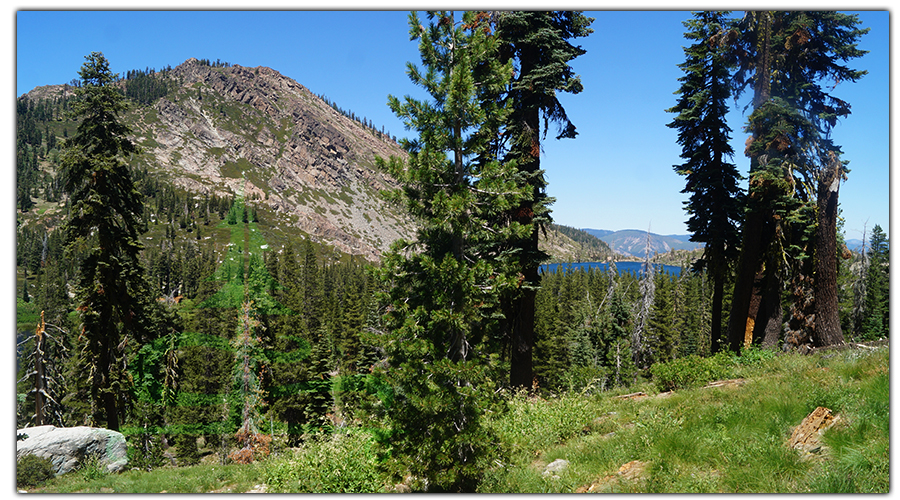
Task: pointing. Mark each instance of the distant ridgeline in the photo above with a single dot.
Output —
(635, 268)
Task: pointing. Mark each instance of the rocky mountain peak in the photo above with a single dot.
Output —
(257, 132)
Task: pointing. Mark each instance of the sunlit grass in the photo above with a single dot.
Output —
(728, 440)
(721, 440)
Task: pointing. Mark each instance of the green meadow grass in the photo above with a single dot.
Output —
(701, 440)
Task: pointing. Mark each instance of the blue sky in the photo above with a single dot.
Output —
(617, 174)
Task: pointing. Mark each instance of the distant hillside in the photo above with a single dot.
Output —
(307, 166)
(633, 242)
(568, 244)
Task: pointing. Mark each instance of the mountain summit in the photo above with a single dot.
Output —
(221, 129)
(256, 132)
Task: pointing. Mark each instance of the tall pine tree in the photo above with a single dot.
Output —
(711, 180)
(785, 57)
(539, 44)
(103, 227)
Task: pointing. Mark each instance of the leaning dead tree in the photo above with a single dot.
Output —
(44, 368)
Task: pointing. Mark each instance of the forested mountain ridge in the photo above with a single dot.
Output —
(225, 130)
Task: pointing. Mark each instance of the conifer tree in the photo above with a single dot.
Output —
(618, 350)
(442, 290)
(876, 319)
(539, 43)
(712, 182)
(661, 331)
(104, 224)
(785, 56)
(647, 288)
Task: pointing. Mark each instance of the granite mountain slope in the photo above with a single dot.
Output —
(230, 129)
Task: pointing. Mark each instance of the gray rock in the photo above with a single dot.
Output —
(555, 467)
(67, 447)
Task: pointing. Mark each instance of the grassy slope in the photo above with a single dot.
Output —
(698, 440)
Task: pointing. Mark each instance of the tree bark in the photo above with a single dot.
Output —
(828, 324)
(715, 333)
(743, 313)
(521, 363)
(521, 373)
(769, 320)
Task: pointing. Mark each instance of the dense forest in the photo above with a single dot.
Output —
(222, 335)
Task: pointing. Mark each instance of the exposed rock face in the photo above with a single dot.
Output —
(67, 447)
(255, 132)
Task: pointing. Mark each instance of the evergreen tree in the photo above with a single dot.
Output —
(647, 289)
(785, 56)
(104, 224)
(618, 350)
(661, 329)
(876, 319)
(442, 289)
(712, 182)
(539, 43)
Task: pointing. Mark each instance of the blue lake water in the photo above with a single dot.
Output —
(634, 268)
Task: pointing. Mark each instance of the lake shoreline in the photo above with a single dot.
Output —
(632, 267)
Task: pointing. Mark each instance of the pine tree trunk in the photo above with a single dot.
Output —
(828, 324)
(743, 314)
(770, 316)
(715, 334)
(746, 298)
(112, 413)
(521, 366)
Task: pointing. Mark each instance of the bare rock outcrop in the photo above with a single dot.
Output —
(68, 447)
(254, 131)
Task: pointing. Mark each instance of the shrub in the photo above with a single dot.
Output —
(145, 451)
(339, 463)
(753, 355)
(253, 447)
(92, 467)
(691, 371)
(32, 470)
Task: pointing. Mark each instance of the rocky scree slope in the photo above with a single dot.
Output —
(255, 132)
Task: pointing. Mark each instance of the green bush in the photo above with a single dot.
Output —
(691, 371)
(92, 467)
(32, 470)
(338, 463)
(753, 355)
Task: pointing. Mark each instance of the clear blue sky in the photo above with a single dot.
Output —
(617, 174)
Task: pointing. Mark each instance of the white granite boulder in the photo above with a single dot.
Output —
(67, 447)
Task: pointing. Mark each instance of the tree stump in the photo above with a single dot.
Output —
(806, 437)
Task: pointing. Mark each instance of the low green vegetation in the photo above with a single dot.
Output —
(703, 440)
(32, 470)
(240, 356)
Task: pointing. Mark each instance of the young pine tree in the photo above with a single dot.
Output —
(875, 323)
(441, 328)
